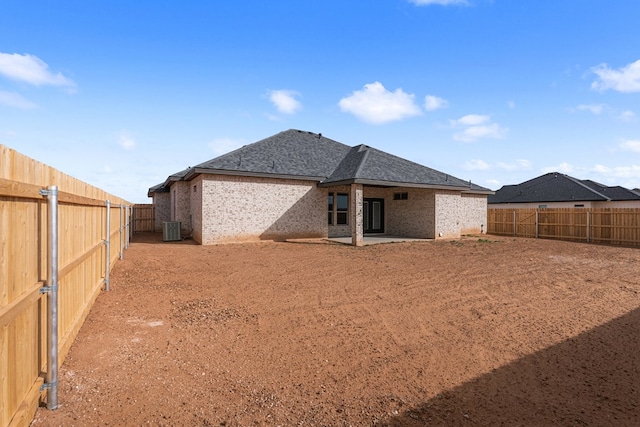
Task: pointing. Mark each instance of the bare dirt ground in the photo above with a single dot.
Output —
(470, 332)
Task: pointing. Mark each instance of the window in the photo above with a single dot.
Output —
(338, 209)
(542, 206)
(342, 216)
(578, 206)
(400, 196)
(195, 188)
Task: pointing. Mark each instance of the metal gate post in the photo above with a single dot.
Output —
(107, 244)
(51, 288)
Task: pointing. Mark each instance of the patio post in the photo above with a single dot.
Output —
(357, 222)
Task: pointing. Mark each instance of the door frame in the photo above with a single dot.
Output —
(368, 213)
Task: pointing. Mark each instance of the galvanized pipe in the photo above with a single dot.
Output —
(52, 307)
(121, 244)
(128, 223)
(107, 243)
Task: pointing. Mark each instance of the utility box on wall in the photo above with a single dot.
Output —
(171, 231)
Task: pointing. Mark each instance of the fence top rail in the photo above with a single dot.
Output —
(23, 190)
(563, 210)
(23, 177)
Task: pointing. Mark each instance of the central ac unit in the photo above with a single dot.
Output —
(171, 231)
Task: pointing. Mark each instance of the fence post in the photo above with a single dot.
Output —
(514, 223)
(121, 244)
(51, 288)
(588, 226)
(537, 222)
(107, 243)
(128, 226)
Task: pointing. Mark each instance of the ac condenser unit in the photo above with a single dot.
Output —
(171, 231)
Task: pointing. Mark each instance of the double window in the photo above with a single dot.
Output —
(338, 208)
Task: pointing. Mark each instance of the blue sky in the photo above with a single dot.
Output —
(122, 94)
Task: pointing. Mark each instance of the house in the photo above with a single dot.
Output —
(557, 190)
(299, 184)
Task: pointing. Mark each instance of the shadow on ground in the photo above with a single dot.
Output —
(599, 370)
(149, 237)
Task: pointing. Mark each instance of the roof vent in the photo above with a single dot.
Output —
(320, 135)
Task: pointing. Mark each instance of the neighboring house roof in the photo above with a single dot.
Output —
(297, 154)
(558, 187)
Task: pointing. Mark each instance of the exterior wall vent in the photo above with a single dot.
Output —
(171, 231)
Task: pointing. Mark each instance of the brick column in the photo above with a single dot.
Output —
(355, 210)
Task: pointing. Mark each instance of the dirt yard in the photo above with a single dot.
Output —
(481, 332)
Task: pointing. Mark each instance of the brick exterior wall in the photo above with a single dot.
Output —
(474, 214)
(162, 202)
(424, 214)
(458, 214)
(196, 208)
(237, 208)
(219, 209)
(181, 205)
(414, 217)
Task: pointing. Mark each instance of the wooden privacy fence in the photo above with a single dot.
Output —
(38, 269)
(144, 218)
(617, 226)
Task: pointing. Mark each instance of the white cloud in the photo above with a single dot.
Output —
(620, 172)
(477, 126)
(563, 167)
(286, 101)
(593, 108)
(625, 79)
(432, 103)
(439, 2)
(627, 116)
(519, 164)
(32, 70)
(631, 145)
(126, 141)
(477, 165)
(375, 104)
(15, 100)
(221, 146)
(471, 120)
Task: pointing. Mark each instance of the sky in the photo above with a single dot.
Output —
(121, 94)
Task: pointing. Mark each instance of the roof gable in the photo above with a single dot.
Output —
(367, 164)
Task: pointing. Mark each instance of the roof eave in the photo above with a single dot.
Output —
(393, 184)
(485, 192)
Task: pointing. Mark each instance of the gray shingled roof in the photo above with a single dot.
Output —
(558, 187)
(293, 152)
(305, 155)
(369, 165)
